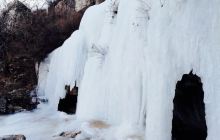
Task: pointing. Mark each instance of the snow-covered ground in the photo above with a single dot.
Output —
(127, 57)
(37, 125)
(46, 124)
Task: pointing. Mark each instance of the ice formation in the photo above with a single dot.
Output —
(134, 53)
(127, 57)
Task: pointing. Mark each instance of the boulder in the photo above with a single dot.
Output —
(13, 137)
(17, 101)
(70, 134)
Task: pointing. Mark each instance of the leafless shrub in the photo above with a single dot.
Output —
(35, 33)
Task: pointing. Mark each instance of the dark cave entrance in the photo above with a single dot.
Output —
(68, 104)
(189, 109)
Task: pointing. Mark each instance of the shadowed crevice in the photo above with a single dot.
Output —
(189, 109)
(68, 104)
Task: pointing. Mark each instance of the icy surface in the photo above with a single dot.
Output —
(65, 72)
(127, 57)
(37, 125)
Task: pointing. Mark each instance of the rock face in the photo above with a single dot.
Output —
(26, 38)
(14, 15)
(17, 74)
(99, 1)
(13, 137)
(68, 104)
(189, 110)
(80, 4)
(17, 102)
(64, 6)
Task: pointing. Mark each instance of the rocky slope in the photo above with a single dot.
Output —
(26, 38)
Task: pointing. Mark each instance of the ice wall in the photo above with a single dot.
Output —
(184, 35)
(128, 55)
(66, 68)
(113, 71)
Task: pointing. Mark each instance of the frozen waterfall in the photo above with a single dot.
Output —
(128, 55)
(126, 59)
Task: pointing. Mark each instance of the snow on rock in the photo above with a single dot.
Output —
(13, 137)
(80, 4)
(36, 4)
(15, 13)
(32, 4)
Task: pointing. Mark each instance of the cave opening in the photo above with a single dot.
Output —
(68, 104)
(189, 109)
